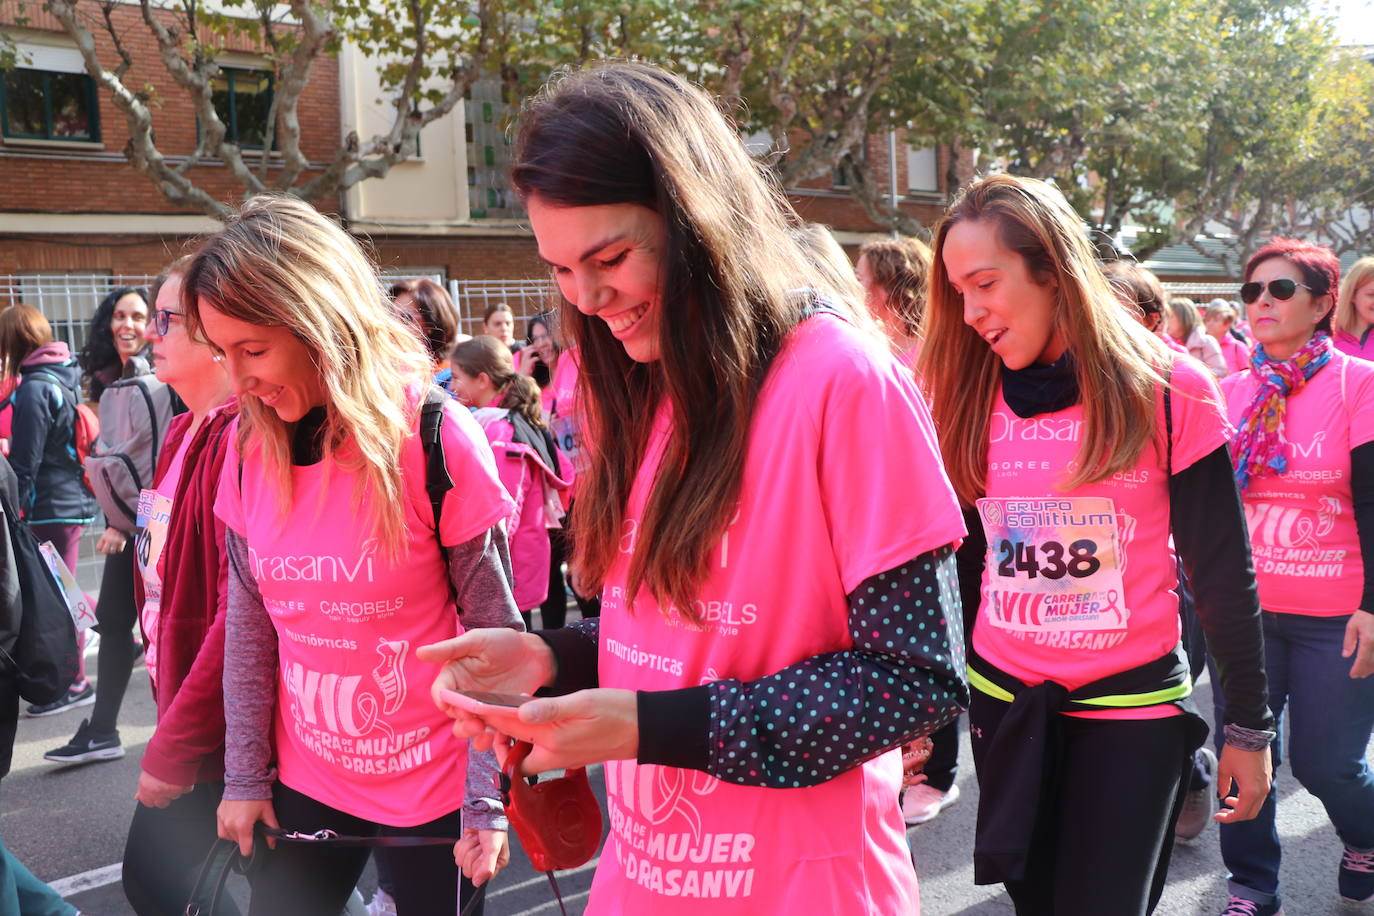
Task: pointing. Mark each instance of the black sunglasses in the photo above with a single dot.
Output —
(1282, 290)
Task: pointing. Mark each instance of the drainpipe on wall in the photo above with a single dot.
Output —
(892, 171)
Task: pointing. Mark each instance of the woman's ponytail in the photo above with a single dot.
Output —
(522, 394)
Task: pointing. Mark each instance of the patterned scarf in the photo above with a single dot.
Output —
(1260, 447)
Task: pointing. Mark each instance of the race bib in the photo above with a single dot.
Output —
(1054, 565)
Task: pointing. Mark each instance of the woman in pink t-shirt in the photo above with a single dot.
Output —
(1184, 327)
(506, 403)
(892, 273)
(1304, 455)
(1355, 311)
(1219, 321)
(775, 626)
(340, 563)
(1078, 443)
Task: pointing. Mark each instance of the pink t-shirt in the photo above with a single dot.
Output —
(559, 400)
(842, 481)
(1351, 345)
(1080, 584)
(1302, 524)
(355, 727)
(154, 516)
(1236, 354)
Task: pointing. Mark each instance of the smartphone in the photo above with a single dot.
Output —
(467, 699)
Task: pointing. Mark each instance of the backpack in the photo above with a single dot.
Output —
(86, 428)
(134, 413)
(42, 656)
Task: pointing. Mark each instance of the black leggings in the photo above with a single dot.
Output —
(1103, 842)
(553, 613)
(165, 849)
(115, 612)
(302, 880)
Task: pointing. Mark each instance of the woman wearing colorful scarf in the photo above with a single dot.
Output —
(1304, 456)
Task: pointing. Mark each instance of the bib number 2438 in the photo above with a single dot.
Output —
(1053, 564)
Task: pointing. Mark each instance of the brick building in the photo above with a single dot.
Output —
(71, 205)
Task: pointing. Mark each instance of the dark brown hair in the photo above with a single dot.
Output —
(631, 133)
(437, 318)
(485, 354)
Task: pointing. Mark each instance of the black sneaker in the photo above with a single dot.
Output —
(1239, 906)
(82, 695)
(1356, 879)
(87, 746)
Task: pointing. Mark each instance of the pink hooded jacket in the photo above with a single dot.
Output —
(535, 488)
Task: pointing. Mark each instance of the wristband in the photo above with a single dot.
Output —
(1248, 739)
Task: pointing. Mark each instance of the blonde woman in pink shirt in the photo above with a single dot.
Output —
(339, 565)
(1354, 316)
(1184, 327)
(1219, 322)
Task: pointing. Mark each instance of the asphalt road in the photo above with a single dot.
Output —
(68, 825)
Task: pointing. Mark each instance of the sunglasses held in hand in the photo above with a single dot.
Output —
(1282, 290)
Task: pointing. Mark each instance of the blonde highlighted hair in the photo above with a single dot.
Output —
(901, 267)
(1115, 358)
(280, 263)
(1360, 273)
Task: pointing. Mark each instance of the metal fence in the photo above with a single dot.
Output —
(526, 299)
(1203, 291)
(69, 300)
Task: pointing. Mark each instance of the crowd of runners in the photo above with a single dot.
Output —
(811, 512)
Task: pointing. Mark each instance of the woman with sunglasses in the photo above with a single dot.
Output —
(337, 569)
(179, 553)
(1082, 443)
(772, 632)
(1304, 458)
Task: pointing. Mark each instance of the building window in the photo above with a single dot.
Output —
(47, 105)
(921, 170)
(488, 153)
(243, 100)
(840, 177)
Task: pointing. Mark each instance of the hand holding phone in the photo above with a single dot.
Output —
(479, 700)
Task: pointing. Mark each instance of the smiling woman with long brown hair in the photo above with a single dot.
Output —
(771, 620)
(1077, 442)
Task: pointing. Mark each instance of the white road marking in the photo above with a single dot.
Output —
(88, 880)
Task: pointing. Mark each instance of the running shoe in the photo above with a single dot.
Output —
(1356, 879)
(87, 746)
(381, 904)
(1240, 906)
(82, 694)
(922, 802)
(1198, 804)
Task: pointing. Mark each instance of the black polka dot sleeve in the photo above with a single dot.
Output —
(812, 721)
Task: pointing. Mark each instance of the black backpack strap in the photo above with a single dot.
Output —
(438, 481)
(1168, 424)
(537, 439)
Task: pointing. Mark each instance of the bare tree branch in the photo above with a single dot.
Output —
(141, 151)
(864, 185)
(316, 32)
(126, 61)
